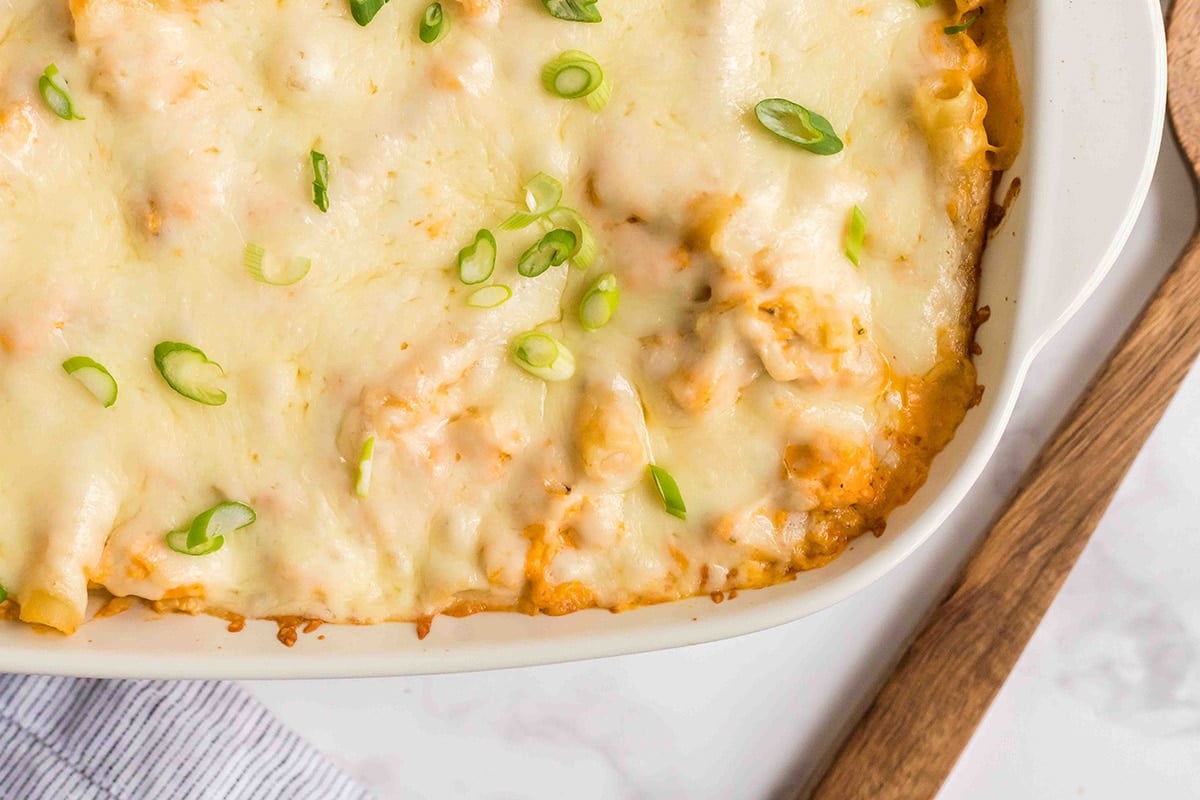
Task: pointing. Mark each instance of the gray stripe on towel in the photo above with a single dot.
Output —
(84, 739)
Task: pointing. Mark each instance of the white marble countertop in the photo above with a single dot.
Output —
(1105, 702)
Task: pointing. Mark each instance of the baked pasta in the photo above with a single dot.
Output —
(342, 311)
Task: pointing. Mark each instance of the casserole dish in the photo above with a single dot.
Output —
(1084, 179)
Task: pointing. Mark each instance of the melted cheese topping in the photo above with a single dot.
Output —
(795, 397)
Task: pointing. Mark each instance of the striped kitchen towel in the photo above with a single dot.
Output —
(77, 739)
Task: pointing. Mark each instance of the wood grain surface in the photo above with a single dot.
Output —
(911, 736)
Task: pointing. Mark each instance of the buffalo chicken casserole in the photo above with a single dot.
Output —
(356, 311)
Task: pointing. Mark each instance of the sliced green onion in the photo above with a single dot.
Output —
(668, 490)
(364, 11)
(551, 250)
(489, 296)
(600, 302)
(855, 235)
(221, 519)
(574, 74)
(366, 460)
(925, 3)
(573, 10)
(434, 24)
(3, 594)
(542, 195)
(543, 356)
(962, 26)
(477, 261)
(798, 125)
(189, 372)
(54, 90)
(207, 532)
(177, 541)
(253, 257)
(320, 180)
(585, 247)
(94, 377)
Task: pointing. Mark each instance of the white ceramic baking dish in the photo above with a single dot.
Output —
(1094, 82)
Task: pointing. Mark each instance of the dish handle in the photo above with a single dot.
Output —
(1093, 136)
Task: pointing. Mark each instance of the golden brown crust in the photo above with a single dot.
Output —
(996, 80)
